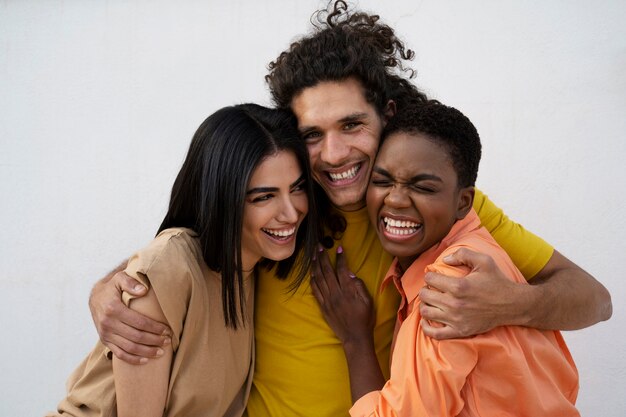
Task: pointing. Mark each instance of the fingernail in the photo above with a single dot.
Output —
(138, 287)
(166, 341)
(447, 258)
(166, 333)
(339, 249)
(159, 352)
(352, 275)
(143, 361)
(320, 249)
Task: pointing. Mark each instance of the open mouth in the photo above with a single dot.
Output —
(345, 175)
(281, 234)
(400, 228)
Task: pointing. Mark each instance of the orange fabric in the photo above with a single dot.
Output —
(508, 371)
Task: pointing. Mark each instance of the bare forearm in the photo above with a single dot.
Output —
(562, 297)
(365, 373)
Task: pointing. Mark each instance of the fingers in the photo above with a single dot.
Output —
(327, 273)
(470, 258)
(147, 329)
(440, 282)
(361, 291)
(318, 279)
(344, 275)
(123, 356)
(132, 352)
(437, 331)
(430, 312)
(126, 283)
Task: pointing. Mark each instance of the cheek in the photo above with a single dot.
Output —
(373, 199)
(254, 219)
(301, 203)
(374, 196)
(370, 141)
(314, 151)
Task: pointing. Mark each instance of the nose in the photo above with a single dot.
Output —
(288, 212)
(335, 149)
(397, 197)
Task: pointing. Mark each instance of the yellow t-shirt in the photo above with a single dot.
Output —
(300, 368)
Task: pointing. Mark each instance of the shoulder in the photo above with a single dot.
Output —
(174, 253)
(171, 245)
(478, 240)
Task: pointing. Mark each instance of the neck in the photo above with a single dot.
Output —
(406, 261)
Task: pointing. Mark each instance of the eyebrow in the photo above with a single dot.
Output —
(349, 118)
(416, 178)
(258, 190)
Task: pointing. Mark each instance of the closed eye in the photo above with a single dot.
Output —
(423, 188)
(382, 183)
(300, 186)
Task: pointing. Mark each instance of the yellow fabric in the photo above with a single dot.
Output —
(300, 368)
(529, 252)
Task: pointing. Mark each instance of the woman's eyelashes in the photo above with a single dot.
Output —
(300, 186)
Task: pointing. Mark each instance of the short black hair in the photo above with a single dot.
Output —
(209, 192)
(445, 126)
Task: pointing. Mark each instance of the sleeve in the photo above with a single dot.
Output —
(528, 251)
(427, 375)
(163, 267)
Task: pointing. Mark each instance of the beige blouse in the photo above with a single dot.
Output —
(212, 364)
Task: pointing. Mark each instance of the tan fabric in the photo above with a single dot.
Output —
(212, 365)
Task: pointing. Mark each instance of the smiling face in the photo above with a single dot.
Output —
(276, 203)
(342, 131)
(413, 198)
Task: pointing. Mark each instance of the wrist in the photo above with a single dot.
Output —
(524, 305)
(358, 345)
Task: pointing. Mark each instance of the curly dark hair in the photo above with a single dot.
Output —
(445, 126)
(345, 44)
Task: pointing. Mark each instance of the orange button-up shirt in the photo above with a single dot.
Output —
(508, 371)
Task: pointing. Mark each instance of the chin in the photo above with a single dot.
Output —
(280, 255)
(347, 199)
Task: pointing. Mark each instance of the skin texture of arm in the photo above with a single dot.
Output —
(141, 390)
(348, 309)
(131, 336)
(562, 297)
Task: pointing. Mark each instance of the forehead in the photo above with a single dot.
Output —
(330, 101)
(281, 167)
(406, 155)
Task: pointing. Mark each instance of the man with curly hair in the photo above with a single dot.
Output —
(344, 82)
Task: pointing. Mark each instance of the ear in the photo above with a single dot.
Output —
(390, 111)
(464, 202)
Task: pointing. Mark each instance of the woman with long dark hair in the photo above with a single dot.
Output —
(239, 203)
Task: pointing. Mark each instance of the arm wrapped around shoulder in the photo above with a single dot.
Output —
(165, 265)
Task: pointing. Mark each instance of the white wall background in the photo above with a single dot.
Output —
(99, 100)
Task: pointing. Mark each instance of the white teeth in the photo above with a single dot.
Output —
(281, 233)
(400, 227)
(399, 223)
(351, 173)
